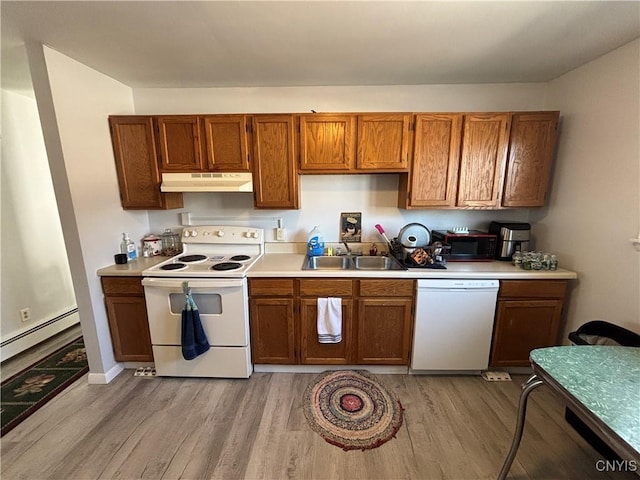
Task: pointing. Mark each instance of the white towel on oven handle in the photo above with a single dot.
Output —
(329, 320)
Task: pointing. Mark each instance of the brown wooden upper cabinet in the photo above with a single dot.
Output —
(179, 141)
(478, 160)
(485, 139)
(531, 152)
(327, 143)
(383, 142)
(134, 149)
(433, 178)
(275, 176)
(226, 141)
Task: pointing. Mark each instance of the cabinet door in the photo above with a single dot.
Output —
(521, 326)
(483, 158)
(226, 143)
(272, 330)
(179, 139)
(314, 352)
(134, 151)
(127, 316)
(275, 177)
(531, 149)
(384, 331)
(327, 143)
(433, 178)
(383, 142)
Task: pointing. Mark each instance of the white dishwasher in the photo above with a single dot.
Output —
(454, 324)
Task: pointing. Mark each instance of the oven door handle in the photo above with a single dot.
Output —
(209, 283)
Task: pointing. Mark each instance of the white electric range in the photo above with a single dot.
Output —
(214, 263)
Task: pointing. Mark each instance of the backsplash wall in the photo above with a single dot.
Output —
(322, 199)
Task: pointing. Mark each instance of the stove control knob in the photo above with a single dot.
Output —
(254, 234)
(194, 233)
(186, 233)
(206, 233)
(220, 233)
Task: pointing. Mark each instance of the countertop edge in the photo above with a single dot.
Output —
(130, 269)
(273, 265)
(290, 265)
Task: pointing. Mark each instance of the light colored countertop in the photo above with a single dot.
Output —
(130, 269)
(290, 265)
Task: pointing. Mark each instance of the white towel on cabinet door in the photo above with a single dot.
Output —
(329, 320)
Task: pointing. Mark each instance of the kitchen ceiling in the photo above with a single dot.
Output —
(264, 43)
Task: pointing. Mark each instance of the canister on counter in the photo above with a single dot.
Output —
(152, 244)
(170, 243)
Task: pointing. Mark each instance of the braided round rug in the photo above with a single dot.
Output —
(352, 409)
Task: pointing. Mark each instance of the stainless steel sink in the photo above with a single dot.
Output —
(376, 263)
(349, 262)
(327, 263)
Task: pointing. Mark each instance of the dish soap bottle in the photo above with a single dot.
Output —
(127, 246)
(315, 245)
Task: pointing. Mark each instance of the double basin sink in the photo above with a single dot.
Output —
(351, 262)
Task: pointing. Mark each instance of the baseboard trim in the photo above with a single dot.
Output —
(38, 334)
(105, 378)
(376, 369)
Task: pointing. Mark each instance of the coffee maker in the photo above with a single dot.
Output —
(512, 237)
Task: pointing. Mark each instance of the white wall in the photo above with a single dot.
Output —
(74, 103)
(35, 269)
(399, 98)
(594, 207)
(323, 198)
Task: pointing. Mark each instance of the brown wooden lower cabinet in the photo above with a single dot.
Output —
(528, 316)
(127, 315)
(385, 321)
(272, 314)
(315, 353)
(272, 330)
(377, 321)
(384, 329)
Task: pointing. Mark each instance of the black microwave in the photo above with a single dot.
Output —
(467, 247)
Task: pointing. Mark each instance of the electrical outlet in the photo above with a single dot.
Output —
(25, 314)
(280, 234)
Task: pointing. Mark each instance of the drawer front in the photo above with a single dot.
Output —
(386, 288)
(122, 285)
(326, 288)
(271, 287)
(533, 289)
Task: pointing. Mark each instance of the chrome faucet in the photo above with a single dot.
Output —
(347, 246)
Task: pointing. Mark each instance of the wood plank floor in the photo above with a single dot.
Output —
(455, 427)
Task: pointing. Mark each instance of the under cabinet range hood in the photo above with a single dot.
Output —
(207, 182)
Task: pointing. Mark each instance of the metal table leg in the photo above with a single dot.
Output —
(527, 388)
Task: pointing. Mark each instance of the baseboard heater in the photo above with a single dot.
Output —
(9, 341)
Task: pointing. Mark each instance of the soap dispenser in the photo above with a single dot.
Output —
(315, 245)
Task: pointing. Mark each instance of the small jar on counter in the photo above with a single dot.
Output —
(170, 243)
(517, 259)
(152, 245)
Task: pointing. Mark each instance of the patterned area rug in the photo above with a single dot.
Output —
(352, 409)
(27, 391)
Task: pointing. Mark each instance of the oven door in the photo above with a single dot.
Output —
(222, 304)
